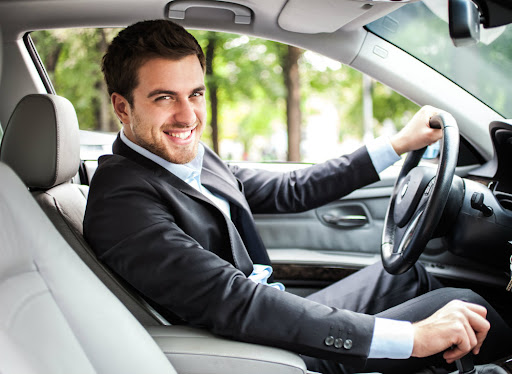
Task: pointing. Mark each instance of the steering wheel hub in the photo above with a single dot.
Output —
(413, 190)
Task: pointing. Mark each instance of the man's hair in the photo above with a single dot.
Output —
(138, 43)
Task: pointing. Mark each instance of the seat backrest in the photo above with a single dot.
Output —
(41, 144)
(55, 315)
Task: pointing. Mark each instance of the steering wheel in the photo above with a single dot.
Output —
(419, 197)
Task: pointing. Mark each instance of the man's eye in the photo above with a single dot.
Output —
(161, 98)
(197, 94)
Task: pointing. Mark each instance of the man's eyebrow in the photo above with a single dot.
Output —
(160, 92)
(173, 93)
(200, 88)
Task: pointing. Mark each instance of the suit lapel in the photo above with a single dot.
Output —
(223, 187)
(210, 180)
(241, 215)
(210, 177)
(122, 149)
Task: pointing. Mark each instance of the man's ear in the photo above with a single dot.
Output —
(121, 107)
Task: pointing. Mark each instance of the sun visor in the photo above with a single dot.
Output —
(327, 16)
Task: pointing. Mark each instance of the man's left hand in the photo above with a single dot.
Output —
(417, 133)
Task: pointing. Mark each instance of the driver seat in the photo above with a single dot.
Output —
(55, 315)
(42, 145)
(46, 291)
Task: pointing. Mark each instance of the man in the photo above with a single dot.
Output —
(171, 218)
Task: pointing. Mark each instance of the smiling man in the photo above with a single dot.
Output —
(170, 114)
(167, 215)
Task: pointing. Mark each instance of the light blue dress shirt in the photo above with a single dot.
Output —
(391, 339)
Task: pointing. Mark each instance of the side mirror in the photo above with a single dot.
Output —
(464, 22)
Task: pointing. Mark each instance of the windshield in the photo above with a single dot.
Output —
(483, 70)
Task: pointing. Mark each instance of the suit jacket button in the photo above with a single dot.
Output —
(338, 343)
(347, 344)
(329, 341)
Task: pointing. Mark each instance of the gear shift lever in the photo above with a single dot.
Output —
(465, 364)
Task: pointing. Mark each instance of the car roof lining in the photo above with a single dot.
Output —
(298, 16)
(309, 18)
(290, 23)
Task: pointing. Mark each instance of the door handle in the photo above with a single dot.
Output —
(351, 220)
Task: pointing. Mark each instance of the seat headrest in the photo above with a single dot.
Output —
(41, 141)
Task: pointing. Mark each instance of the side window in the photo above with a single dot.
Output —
(266, 101)
(72, 60)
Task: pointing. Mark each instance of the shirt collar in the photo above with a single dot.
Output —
(186, 172)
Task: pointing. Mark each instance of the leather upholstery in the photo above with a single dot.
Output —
(42, 145)
(55, 315)
(65, 206)
(41, 141)
(195, 351)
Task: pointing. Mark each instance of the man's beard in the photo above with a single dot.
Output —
(176, 155)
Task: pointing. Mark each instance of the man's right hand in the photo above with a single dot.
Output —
(458, 328)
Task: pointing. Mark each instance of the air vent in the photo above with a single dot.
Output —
(505, 200)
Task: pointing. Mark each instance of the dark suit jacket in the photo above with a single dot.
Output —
(178, 249)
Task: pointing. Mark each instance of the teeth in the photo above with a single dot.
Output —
(181, 135)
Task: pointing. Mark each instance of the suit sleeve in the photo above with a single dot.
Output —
(309, 188)
(134, 233)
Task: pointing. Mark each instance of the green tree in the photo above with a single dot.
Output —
(245, 85)
(72, 59)
(213, 87)
(343, 85)
(290, 64)
(255, 87)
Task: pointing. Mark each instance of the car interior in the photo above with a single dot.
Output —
(63, 311)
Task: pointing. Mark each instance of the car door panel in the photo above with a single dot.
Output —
(351, 225)
(311, 250)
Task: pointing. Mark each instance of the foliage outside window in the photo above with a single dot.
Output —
(247, 88)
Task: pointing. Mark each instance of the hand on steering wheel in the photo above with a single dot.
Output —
(418, 200)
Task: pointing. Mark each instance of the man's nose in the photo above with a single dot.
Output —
(185, 114)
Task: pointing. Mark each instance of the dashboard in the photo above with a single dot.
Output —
(481, 214)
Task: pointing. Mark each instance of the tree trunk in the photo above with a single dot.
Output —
(106, 120)
(293, 111)
(367, 108)
(51, 60)
(212, 91)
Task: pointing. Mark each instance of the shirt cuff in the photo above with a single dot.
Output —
(392, 339)
(382, 153)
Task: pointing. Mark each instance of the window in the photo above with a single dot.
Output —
(483, 70)
(249, 85)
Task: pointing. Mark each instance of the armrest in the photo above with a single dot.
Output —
(195, 351)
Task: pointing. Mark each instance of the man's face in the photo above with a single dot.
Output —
(169, 112)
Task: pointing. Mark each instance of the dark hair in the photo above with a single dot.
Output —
(140, 42)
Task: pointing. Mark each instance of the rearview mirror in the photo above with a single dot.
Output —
(464, 22)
